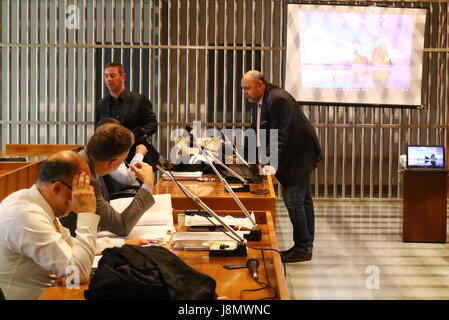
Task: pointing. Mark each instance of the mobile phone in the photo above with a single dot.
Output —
(234, 266)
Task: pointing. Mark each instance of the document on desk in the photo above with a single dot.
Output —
(156, 233)
(202, 240)
(184, 175)
(198, 220)
(160, 212)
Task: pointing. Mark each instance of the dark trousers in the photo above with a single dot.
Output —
(298, 201)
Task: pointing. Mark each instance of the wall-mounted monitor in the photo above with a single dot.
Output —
(357, 55)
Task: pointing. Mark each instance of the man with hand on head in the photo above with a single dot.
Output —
(104, 152)
(34, 247)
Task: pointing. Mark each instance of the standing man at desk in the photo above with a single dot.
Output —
(298, 155)
(133, 110)
(34, 247)
(104, 152)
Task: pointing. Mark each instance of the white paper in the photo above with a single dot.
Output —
(150, 233)
(95, 262)
(184, 175)
(197, 220)
(160, 212)
(206, 236)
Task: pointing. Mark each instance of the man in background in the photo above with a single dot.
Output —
(133, 110)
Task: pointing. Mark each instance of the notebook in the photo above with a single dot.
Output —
(426, 157)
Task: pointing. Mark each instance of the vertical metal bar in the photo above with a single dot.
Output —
(71, 82)
(225, 63)
(196, 81)
(91, 66)
(353, 155)
(381, 152)
(253, 35)
(343, 161)
(371, 157)
(187, 54)
(244, 57)
(207, 66)
(335, 153)
(169, 42)
(262, 38)
(6, 73)
(216, 62)
(24, 80)
(326, 155)
(43, 102)
(178, 62)
(34, 65)
(234, 67)
(390, 155)
(362, 155)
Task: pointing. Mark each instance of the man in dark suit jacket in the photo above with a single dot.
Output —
(298, 153)
(133, 110)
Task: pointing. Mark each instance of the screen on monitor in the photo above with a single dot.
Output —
(355, 54)
(425, 157)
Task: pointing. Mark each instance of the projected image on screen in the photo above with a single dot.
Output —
(425, 157)
(348, 54)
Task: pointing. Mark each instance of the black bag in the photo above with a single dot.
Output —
(153, 273)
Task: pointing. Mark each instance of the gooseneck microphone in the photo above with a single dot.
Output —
(252, 265)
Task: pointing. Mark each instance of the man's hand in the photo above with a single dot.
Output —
(137, 241)
(144, 173)
(141, 149)
(83, 195)
(268, 171)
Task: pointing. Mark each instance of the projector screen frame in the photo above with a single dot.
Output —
(425, 66)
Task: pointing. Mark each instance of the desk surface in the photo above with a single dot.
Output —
(229, 282)
(213, 189)
(35, 152)
(213, 194)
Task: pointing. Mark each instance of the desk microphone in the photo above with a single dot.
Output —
(252, 265)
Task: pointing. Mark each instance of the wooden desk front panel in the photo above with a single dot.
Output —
(425, 206)
(213, 194)
(229, 282)
(22, 177)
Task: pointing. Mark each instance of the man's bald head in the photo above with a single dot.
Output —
(62, 166)
(253, 84)
(254, 76)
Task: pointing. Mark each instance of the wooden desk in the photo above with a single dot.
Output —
(424, 206)
(213, 194)
(19, 175)
(229, 282)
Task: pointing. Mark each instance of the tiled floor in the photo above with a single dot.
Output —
(359, 254)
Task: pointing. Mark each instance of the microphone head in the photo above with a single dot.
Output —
(252, 263)
(188, 128)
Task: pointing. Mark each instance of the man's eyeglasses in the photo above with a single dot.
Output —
(64, 183)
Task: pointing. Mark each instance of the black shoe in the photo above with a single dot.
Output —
(297, 255)
(286, 252)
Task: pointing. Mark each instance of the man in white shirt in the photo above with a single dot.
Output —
(34, 247)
